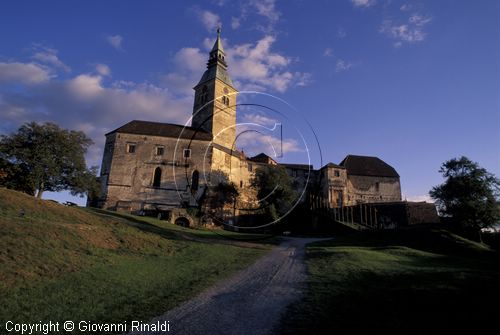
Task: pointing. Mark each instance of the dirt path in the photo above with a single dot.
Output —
(249, 302)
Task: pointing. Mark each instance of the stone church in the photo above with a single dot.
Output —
(150, 167)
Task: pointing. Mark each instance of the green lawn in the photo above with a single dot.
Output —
(59, 263)
(414, 281)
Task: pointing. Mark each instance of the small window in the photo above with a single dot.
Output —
(336, 173)
(227, 101)
(250, 167)
(160, 151)
(187, 153)
(131, 148)
(377, 186)
(241, 183)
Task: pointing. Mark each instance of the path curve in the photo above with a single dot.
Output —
(249, 302)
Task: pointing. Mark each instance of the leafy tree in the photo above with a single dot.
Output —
(223, 191)
(47, 158)
(468, 196)
(15, 177)
(274, 190)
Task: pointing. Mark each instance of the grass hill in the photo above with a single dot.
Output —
(67, 263)
(411, 281)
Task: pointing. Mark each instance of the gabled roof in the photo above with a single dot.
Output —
(263, 158)
(297, 166)
(162, 129)
(332, 165)
(368, 166)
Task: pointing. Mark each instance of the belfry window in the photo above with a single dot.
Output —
(204, 95)
(157, 177)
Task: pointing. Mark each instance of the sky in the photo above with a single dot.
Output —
(414, 83)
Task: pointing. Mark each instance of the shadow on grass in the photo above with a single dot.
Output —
(140, 224)
(395, 284)
(179, 233)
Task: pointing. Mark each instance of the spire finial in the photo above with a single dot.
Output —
(218, 31)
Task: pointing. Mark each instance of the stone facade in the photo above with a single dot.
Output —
(158, 168)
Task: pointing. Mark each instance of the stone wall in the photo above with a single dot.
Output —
(129, 176)
(369, 189)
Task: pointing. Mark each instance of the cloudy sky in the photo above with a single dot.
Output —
(412, 82)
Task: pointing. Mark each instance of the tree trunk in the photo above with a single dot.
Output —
(40, 191)
(480, 236)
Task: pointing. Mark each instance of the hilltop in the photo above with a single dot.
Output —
(100, 265)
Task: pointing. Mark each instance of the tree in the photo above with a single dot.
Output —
(50, 159)
(222, 193)
(468, 196)
(274, 190)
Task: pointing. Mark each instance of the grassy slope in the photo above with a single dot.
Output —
(407, 282)
(61, 263)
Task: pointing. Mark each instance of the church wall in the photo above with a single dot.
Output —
(131, 174)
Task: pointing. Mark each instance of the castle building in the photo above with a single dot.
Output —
(158, 167)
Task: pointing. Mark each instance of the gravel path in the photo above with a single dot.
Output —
(249, 302)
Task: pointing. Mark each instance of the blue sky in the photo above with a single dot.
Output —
(412, 82)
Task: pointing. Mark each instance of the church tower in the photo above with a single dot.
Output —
(214, 108)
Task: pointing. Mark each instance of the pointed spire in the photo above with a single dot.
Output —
(217, 55)
(218, 43)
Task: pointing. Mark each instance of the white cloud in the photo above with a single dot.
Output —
(25, 73)
(115, 41)
(257, 65)
(210, 20)
(363, 3)
(85, 86)
(419, 20)
(328, 52)
(263, 15)
(235, 22)
(103, 69)
(259, 119)
(410, 32)
(252, 66)
(84, 102)
(191, 58)
(302, 78)
(267, 9)
(255, 142)
(343, 65)
(406, 7)
(49, 56)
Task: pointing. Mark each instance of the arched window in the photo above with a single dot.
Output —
(195, 179)
(227, 101)
(204, 95)
(157, 177)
